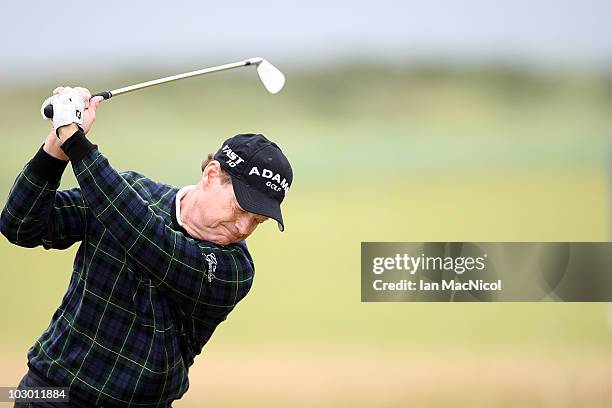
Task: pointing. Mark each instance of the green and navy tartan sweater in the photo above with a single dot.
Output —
(144, 297)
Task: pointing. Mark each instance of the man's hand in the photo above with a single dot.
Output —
(52, 144)
(64, 97)
(91, 104)
(68, 107)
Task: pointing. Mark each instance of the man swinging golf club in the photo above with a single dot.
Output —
(158, 267)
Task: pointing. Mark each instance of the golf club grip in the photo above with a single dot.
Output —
(49, 108)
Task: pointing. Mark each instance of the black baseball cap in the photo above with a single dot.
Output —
(261, 174)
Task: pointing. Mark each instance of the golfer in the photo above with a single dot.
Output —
(158, 267)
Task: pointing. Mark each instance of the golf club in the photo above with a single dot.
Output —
(272, 79)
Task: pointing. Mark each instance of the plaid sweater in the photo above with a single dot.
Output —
(144, 297)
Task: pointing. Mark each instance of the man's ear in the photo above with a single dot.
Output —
(211, 173)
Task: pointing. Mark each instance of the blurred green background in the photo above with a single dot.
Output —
(423, 152)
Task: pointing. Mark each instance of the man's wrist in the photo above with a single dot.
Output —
(52, 146)
(65, 132)
(46, 166)
(77, 146)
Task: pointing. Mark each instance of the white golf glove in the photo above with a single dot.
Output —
(68, 107)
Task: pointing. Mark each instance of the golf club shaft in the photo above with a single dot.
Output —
(154, 82)
(126, 89)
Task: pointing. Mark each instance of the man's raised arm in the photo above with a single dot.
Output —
(205, 279)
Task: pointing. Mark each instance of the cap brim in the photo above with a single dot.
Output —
(254, 201)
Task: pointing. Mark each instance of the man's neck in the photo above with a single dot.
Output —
(188, 206)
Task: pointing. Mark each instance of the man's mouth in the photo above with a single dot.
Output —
(233, 237)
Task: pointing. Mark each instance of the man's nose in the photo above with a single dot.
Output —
(244, 224)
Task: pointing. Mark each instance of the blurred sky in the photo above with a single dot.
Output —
(106, 36)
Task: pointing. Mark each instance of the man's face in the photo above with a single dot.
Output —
(221, 219)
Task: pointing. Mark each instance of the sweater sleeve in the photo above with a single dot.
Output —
(36, 213)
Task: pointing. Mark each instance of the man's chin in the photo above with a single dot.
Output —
(220, 240)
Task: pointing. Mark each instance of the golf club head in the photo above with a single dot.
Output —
(270, 76)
